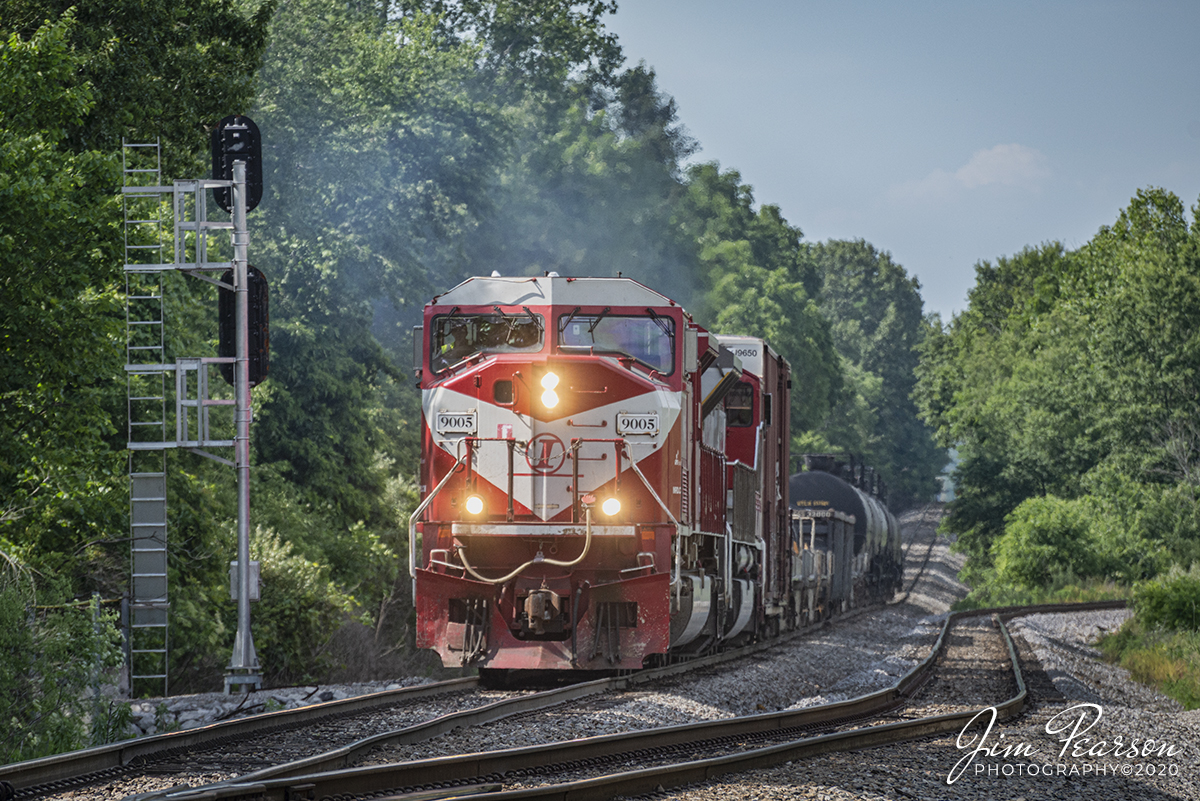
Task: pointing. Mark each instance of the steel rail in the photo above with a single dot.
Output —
(37, 777)
(902, 597)
(491, 766)
(106, 758)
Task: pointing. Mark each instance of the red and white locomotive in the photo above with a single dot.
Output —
(603, 481)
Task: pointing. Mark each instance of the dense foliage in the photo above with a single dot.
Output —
(877, 323)
(59, 320)
(52, 658)
(408, 145)
(1070, 388)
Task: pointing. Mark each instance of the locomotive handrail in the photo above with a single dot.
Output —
(576, 442)
(653, 494)
(412, 520)
(671, 517)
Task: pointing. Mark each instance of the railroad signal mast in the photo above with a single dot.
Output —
(243, 361)
(236, 151)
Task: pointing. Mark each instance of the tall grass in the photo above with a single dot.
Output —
(1061, 591)
(1166, 660)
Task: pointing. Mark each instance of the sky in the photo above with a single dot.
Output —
(945, 133)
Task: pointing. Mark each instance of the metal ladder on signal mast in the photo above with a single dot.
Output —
(146, 376)
(159, 219)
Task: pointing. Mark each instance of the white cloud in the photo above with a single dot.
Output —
(1009, 165)
(1003, 165)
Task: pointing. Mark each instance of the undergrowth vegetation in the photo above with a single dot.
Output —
(1160, 645)
(1166, 660)
(54, 657)
(1062, 588)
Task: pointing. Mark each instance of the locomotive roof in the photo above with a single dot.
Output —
(551, 290)
(750, 350)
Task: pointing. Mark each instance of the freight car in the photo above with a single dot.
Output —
(848, 542)
(604, 482)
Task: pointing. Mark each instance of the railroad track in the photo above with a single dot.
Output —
(646, 761)
(182, 755)
(929, 522)
(242, 747)
(266, 745)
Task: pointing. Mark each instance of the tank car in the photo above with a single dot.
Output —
(846, 539)
(603, 481)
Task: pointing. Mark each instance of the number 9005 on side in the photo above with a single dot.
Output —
(637, 423)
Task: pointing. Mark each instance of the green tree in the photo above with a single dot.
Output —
(1072, 375)
(58, 473)
(529, 45)
(756, 280)
(157, 69)
(982, 387)
(876, 317)
(590, 188)
(763, 303)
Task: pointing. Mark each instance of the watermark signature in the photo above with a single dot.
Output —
(1071, 728)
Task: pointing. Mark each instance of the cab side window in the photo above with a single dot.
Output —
(739, 406)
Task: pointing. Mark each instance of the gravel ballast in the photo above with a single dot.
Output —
(870, 650)
(1095, 705)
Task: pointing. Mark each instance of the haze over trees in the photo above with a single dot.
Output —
(408, 145)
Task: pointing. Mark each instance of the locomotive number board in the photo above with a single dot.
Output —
(637, 423)
(455, 422)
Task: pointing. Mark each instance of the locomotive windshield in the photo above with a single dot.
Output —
(460, 336)
(648, 338)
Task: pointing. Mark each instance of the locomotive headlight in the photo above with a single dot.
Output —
(610, 506)
(474, 505)
(549, 397)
